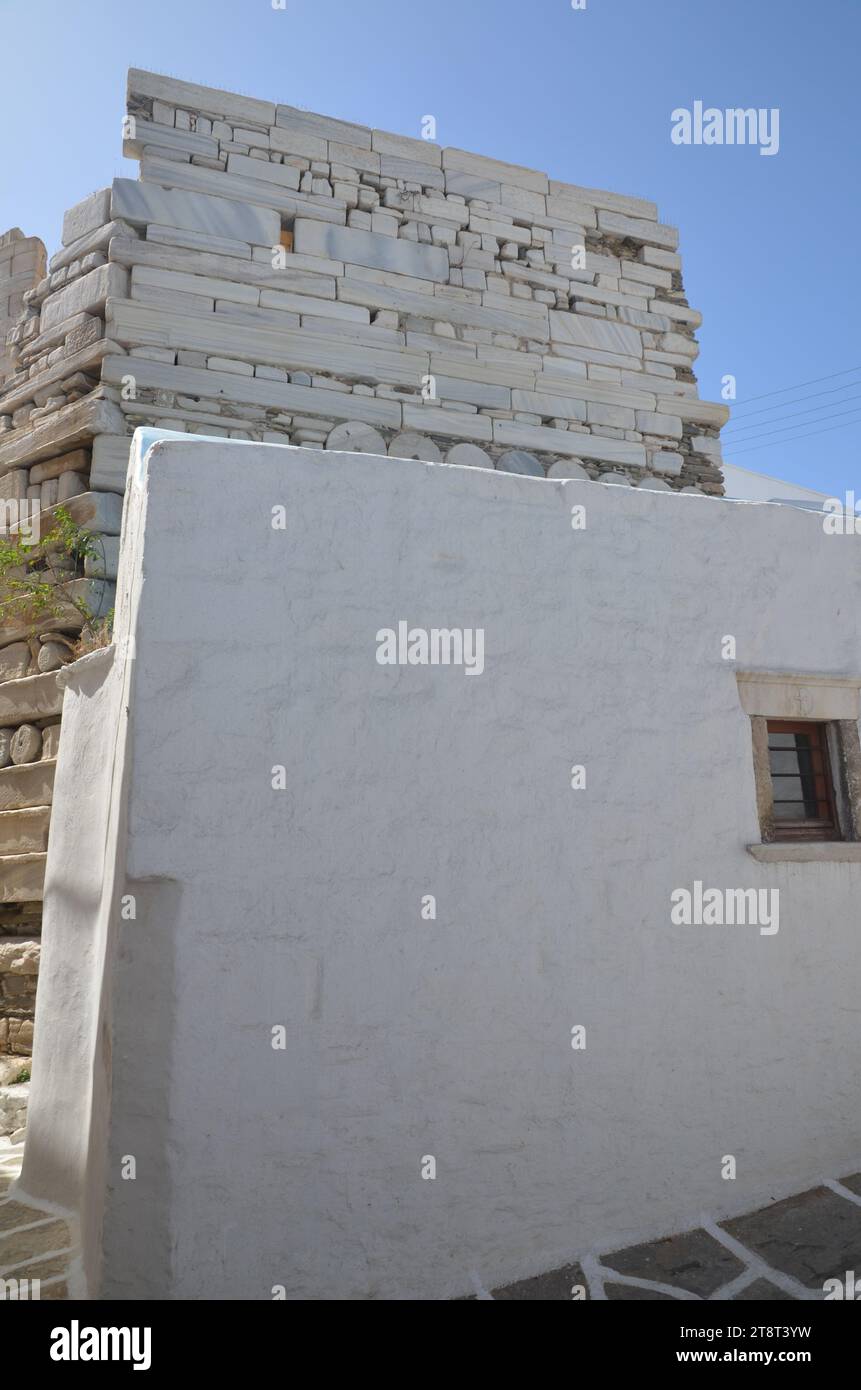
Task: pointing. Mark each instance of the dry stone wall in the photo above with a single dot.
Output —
(295, 277)
(19, 969)
(22, 265)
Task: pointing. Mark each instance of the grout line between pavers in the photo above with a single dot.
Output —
(842, 1191)
(755, 1263)
(480, 1291)
(612, 1276)
(727, 1291)
(28, 1226)
(594, 1275)
(39, 1258)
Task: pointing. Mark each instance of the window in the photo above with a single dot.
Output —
(801, 781)
(806, 765)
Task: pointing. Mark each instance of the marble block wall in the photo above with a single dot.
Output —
(22, 265)
(292, 277)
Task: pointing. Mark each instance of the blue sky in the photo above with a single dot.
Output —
(769, 243)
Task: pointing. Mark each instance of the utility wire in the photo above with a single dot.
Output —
(812, 435)
(814, 381)
(764, 410)
(763, 424)
(786, 428)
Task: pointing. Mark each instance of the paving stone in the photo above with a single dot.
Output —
(626, 1293)
(44, 1269)
(694, 1261)
(814, 1236)
(762, 1290)
(555, 1286)
(13, 1214)
(15, 1247)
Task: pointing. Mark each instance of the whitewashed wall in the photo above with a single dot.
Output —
(301, 907)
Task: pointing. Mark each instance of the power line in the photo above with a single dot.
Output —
(778, 442)
(764, 423)
(785, 428)
(835, 390)
(814, 381)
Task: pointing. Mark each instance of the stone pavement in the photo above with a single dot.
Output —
(784, 1251)
(34, 1243)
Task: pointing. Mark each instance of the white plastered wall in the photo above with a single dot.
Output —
(301, 907)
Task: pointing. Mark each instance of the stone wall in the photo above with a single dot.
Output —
(22, 265)
(20, 927)
(50, 406)
(298, 277)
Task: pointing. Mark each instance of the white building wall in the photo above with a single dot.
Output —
(451, 1038)
(745, 485)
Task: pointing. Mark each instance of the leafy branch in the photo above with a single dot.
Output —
(37, 581)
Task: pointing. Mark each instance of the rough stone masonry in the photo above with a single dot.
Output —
(281, 276)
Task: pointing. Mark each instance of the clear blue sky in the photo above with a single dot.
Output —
(770, 244)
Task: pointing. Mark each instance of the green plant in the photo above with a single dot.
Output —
(37, 581)
(22, 1076)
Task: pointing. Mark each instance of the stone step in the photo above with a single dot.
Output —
(24, 831)
(22, 877)
(30, 785)
(29, 699)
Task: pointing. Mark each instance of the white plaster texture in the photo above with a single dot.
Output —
(406, 1037)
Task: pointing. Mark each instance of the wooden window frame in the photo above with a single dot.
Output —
(826, 826)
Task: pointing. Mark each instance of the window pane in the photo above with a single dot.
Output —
(784, 761)
(789, 810)
(776, 740)
(789, 789)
